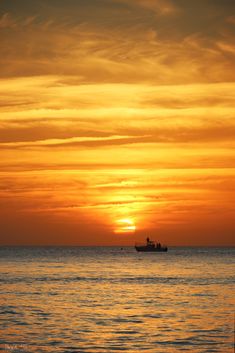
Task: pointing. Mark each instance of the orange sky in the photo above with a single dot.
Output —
(117, 121)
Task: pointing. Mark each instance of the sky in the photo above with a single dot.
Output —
(117, 122)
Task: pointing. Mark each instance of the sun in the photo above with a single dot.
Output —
(125, 225)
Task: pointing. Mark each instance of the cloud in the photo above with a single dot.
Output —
(218, 133)
(6, 21)
(231, 19)
(159, 7)
(9, 21)
(161, 52)
(51, 113)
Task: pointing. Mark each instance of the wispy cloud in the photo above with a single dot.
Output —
(6, 21)
(106, 52)
(159, 7)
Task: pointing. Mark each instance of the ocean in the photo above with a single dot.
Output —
(109, 299)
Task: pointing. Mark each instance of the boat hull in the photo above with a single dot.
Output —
(150, 249)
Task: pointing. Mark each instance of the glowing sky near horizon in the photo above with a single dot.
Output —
(117, 120)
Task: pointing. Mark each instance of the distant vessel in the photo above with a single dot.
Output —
(150, 246)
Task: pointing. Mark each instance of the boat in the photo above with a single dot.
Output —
(150, 246)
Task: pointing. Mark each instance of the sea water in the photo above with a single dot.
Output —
(108, 299)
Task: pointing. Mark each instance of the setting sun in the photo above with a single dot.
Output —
(125, 226)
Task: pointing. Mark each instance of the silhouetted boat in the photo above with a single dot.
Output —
(150, 246)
